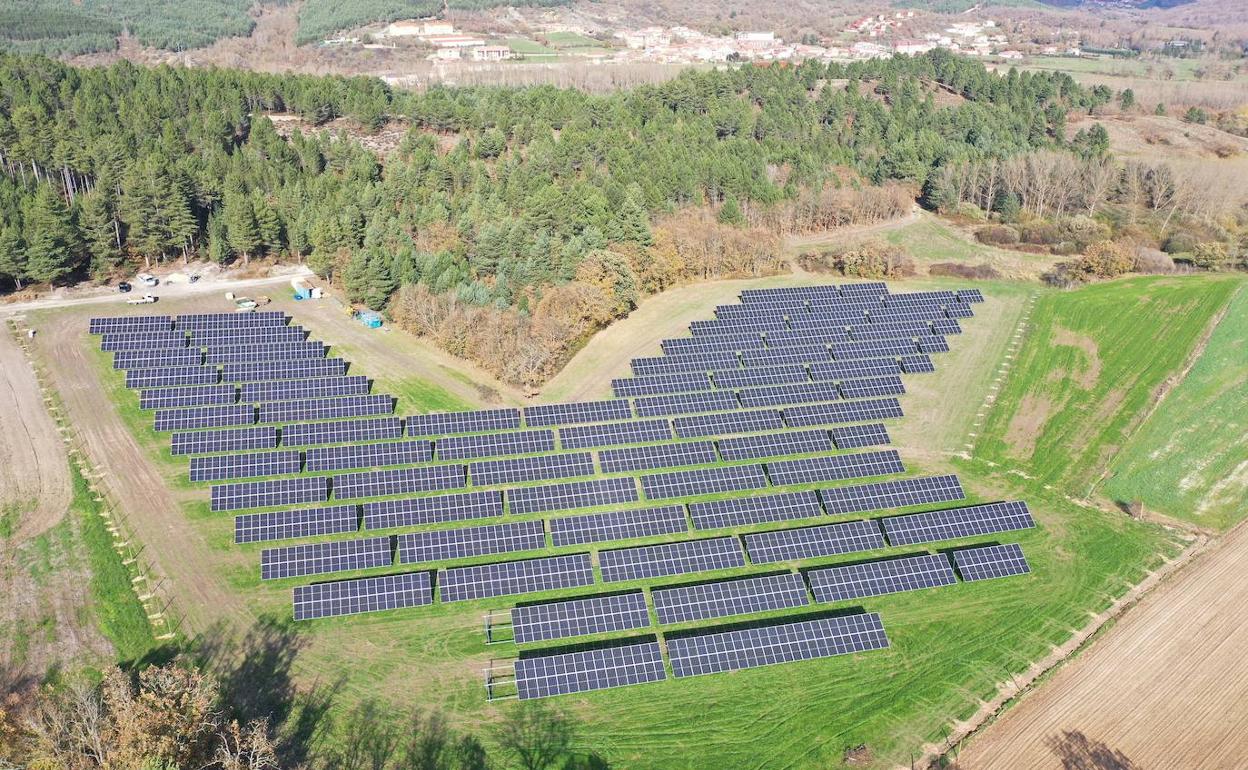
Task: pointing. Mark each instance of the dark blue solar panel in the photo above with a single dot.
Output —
(876, 578)
(709, 653)
(271, 351)
(703, 481)
(872, 387)
(445, 423)
(814, 542)
(685, 556)
(413, 511)
(953, 523)
(579, 617)
(353, 597)
(917, 364)
(338, 458)
(597, 669)
(577, 412)
(848, 411)
(143, 341)
(657, 456)
(798, 442)
(783, 395)
(783, 356)
(205, 417)
(264, 494)
(232, 440)
(618, 525)
(188, 395)
(243, 466)
(988, 562)
(686, 345)
(844, 370)
(132, 323)
(686, 403)
(857, 436)
(326, 408)
(521, 469)
(610, 434)
(443, 544)
(835, 467)
(319, 558)
(284, 370)
(743, 511)
(873, 349)
(658, 384)
(306, 522)
(690, 362)
(159, 357)
(724, 598)
(281, 390)
(771, 375)
(398, 481)
(171, 375)
(516, 577)
(727, 422)
(891, 494)
(342, 431)
(519, 442)
(574, 494)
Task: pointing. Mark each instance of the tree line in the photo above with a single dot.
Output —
(496, 195)
(64, 28)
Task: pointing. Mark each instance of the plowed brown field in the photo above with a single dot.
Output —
(1166, 688)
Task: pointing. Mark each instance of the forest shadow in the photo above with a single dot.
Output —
(1077, 751)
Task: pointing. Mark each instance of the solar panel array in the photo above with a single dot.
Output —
(989, 562)
(803, 373)
(744, 596)
(353, 597)
(710, 653)
(572, 672)
(579, 617)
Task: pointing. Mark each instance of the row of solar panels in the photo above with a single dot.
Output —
(628, 611)
(189, 321)
(571, 438)
(548, 497)
(781, 316)
(702, 361)
(217, 354)
(610, 526)
(256, 337)
(776, 337)
(534, 468)
(619, 565)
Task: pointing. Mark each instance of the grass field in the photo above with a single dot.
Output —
(526, 47)
(562, 40)
(1093, 363)
(950, 647)
(1182, 69)
(1190, 458)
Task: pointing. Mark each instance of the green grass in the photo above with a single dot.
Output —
(1093, 361)
(571, 40)
(526, 47)
(116, 609)
(8, 518)
(950, 646)
(1190, 458)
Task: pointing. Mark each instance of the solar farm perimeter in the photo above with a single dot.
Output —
(737, 505)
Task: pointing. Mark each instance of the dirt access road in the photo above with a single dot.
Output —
(1167, 687)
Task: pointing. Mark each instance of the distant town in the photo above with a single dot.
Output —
(870, 37)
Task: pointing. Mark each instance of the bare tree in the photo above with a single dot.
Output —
(536, 735)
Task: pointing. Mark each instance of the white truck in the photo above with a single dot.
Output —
(146, 299)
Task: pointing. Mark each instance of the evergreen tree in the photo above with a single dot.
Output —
(268, 225)
(52, 244)
(240, 225)
(12, 256)
(730, 212)
(218, 240)
(95, 221)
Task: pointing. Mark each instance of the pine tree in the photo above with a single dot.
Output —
(379, 279)
(52, 243)
(730, 212)
(218, 240)
(632, 221)
(95, 220)
(12, 256)
(268, 225)
(240, 225)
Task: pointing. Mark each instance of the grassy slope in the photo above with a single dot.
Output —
(1190, 458)
(950, 646)
(1093, 362)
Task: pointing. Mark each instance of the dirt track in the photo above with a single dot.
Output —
(1166, 688)
(34, 472)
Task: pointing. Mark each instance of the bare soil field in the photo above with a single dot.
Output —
(1166, 687)
(34, 471)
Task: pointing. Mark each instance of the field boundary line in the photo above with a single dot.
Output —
(147, 584)
(1012, 692)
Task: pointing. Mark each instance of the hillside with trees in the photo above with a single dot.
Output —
(541, 213)
(319, 19)
(65, 28)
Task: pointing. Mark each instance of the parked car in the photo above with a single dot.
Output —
(147, 279)
(124, 287)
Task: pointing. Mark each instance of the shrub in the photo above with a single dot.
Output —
(984, 272)
(1152, 261)
(997, 235)
(1065, 249)
(1105, 259)
(872, 259)
(1041, 233)
(1085, 230)
(970, 211)
(1211, 255)
(1181, 242)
